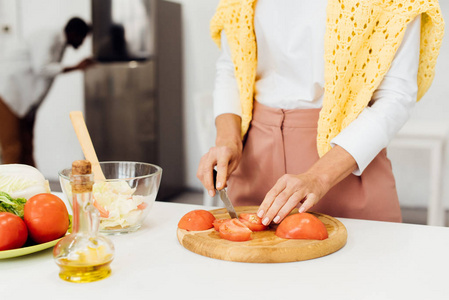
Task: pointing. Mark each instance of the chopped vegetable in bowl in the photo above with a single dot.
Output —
(117, 200)
(125, 198)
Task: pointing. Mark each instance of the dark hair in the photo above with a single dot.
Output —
(78, 26)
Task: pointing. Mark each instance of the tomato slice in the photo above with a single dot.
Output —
(197, 220)
(218, 222)
(252, 221)
(302, 226)
(234, 230)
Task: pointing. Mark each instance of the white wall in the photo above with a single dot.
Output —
(200, 54)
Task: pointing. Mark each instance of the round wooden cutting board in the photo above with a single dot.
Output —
(265, 246)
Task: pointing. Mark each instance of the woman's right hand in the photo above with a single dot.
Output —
(225, 155)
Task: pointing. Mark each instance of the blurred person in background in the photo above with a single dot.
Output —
(26, 75)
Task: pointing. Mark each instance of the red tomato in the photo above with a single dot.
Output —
(302, 226)
(196, 220)
(13, 231)
(46, 217)
(218, 222)
(234, 230)
(252, 221)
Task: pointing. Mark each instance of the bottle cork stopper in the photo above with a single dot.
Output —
(80, 183)
(81, 167)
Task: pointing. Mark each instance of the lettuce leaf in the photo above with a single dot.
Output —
(8, 204)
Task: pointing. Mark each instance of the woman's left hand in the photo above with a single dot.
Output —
(288, 192)
(306, 188)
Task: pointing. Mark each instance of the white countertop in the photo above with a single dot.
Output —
(380, 261)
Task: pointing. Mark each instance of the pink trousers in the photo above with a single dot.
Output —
(284, 142)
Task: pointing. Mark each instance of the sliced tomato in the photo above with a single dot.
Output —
(218, 222)
(302, 226)
(196, 220)
(103, 212)
(234, 230)
(252, 221)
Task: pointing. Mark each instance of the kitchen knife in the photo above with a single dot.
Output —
(224, 197)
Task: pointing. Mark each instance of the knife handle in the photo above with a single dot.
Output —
(215, 178)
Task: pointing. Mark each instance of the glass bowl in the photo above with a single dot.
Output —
(125, 198)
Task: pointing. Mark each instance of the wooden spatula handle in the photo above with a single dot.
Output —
(86, 143)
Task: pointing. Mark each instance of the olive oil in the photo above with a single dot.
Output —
(84, 255)
(72, 272)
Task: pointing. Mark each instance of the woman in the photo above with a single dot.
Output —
(315, 131)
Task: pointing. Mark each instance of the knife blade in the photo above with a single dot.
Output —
(224, 197)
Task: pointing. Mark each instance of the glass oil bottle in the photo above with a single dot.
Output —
(84, 255)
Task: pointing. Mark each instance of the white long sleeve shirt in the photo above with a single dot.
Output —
(290, 75)
(28, 69)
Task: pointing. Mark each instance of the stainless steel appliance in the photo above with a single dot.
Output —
(133, 96)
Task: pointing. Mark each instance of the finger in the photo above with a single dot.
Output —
(222, 174)
(311, 200)
(269, 198)
(288, 207)
(204, 174)
(199, 171)
(279, 202)
(209, 181)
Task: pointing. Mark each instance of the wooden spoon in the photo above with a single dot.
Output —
(86, 143)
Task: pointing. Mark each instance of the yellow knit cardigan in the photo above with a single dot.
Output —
(360, 43)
